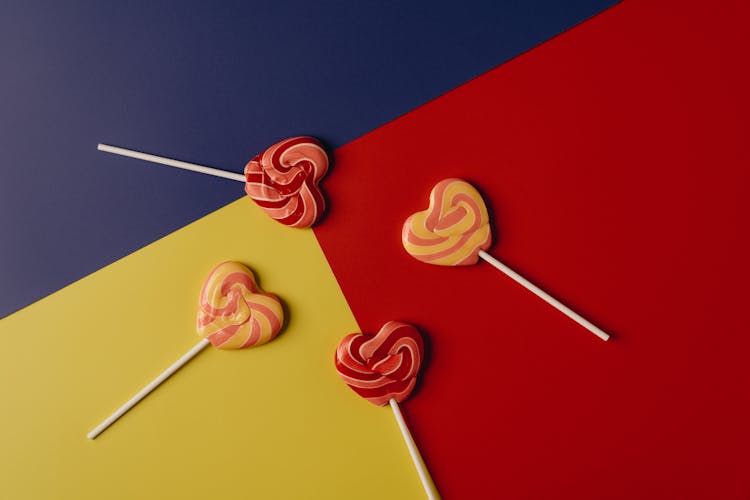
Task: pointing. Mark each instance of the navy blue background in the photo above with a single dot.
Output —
(212, 84)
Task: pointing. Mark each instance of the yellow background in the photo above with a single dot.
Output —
(268, 422)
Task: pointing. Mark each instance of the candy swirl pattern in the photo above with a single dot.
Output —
(283, 181)
(383, 366)
(453, 228)
(234, 312)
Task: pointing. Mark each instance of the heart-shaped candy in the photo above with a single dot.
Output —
(383, 366)
(233, 311)
(453, 228)
(283, 181)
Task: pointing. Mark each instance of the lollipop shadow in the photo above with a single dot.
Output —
(285, 322)
(331, 163)
(427, 343)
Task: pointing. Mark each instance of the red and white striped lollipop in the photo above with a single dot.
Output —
(283, 180)
(233, 313)
(383, 368)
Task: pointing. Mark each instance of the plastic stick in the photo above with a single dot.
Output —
(146, 390)
(170, 162)
(544, 296)
(424, 475)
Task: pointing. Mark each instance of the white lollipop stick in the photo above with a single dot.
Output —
(544, 296)
(170, 162)
(424, 475)
(150, 387)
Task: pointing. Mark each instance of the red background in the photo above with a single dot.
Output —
(614, 162)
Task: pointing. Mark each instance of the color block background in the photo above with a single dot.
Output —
(614, 162)
(270, 422)
(212, 84)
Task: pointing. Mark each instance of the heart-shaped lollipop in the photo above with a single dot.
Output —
(233, 313)
(455, 231)
(383, 368)
(283, 180)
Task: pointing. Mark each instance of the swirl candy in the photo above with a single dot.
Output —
(383, 369)
(283, 181)
(453, 229)
(384, 366)
(233, 312)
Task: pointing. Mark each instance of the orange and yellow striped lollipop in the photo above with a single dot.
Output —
(233, 312)
(453, 229)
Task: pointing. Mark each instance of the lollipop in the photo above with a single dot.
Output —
(383, 369)
(455, 231)
(233, 313)
(283, 180)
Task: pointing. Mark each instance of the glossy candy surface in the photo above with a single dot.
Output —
(382, 366)
(283, 181)
(234, 312)
(453, 228)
